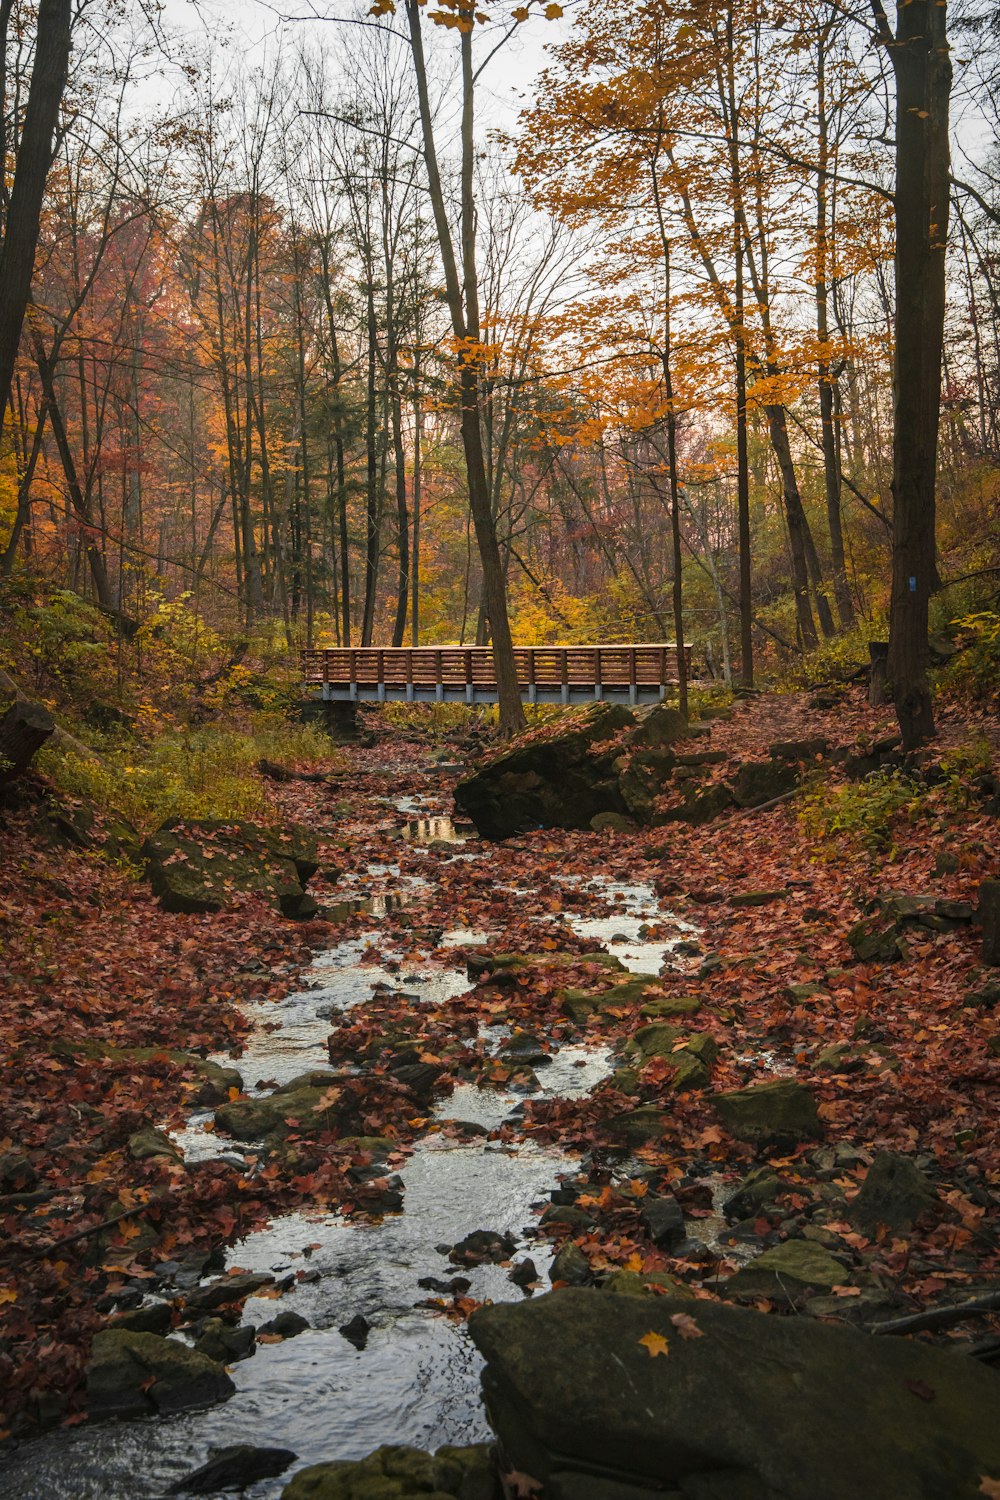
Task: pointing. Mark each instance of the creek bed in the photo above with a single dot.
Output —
(417, 1379)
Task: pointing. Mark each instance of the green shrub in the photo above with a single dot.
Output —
(975, 672)
(860, 815)
(207, 773)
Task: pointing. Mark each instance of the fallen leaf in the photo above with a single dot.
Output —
(686, 1326)
(654, 1344)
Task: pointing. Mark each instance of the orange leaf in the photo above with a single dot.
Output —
(686, 1326)
(655, 1344)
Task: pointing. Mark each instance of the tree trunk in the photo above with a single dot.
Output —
(24, 729)
(923, 89)
(34, 157)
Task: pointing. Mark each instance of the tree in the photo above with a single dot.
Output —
(922, 66)
(34, 158)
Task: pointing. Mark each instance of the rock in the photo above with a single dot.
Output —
(396, 1473)
(580, 1005)
(224, 1344)
(306, 1108)
(663, 1221)
(807, 749)
(787, 1273)
(156, 1318)
(758, 1407)
(760, 1186)
(874, 940)
(611, 822)
(496, 964)
(700, 805)
(17, 1172)
(644, 1284)
(286, 1325)
(760, 781)
(356, 1331)
(482, 1245)
(568, 1215)
(642, 779)
(198, 866)
(523, 1047)
(570, 1266)
(658, 726)
(638, 1127)
(133, 1374)
(227, 1289)
(989, 916)
(557, 781)
(757, 898)
(894, 1195)
(147, 1143)
(233, 1469)
(770, 1113)
(524, 1273)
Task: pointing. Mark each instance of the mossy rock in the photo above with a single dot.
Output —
(199, 866)
(299, 1110)
(638, 1127)
(645, 1284)
(148, 1143)
(135, 1374)
(877, 940)
(580, 1005)
(788, 1272)
(893, 1196)
(760, 781)
(397, 1473)
(216, 1081)
(779, 1112)
(482, 964)
(674, 1005)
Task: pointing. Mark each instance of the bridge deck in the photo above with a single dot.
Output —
(465, 674)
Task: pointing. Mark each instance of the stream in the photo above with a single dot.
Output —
(417, 1379)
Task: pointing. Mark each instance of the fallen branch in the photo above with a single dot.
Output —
(41, 1252)
(276, 772)
(941, 1317)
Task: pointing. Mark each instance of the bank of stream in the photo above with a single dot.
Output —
(416, 1378)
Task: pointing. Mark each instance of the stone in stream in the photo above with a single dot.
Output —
(481, 964)
(787, 1273)
(356, 1331)
(199, 865)
(570, 1266)
(482, 1245)
(220, 1342)
(149, 1143)
(580, 1004)
(234, 1469)
(397, 1473)
(310, 1101)
(760, 1186)
(895, 1194)
(663, 1221)
(286, 1325)
(637, 1127)
(227, 1289)
(757, 1407)
(770, 1113)
(135, 1374)
(524, 1274)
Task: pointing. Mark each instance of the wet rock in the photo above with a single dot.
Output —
(396, 1473)
(133, 1374)
(690, 1055)
(760, 1186)
(760, 781)
(356, 1331)
(148, 1143)
(524, 1273)
(523, 1047)
(419, 1078)
(497, 964)
(637, 1127)
(234, 1469)
(305, 1109)
(481, 1245)
(570, 1266)
(663, 1221)
(758, 1407)
(567, 1215)
(224, 1344)
(770, 1113)
(787, 1273)
(455, 1287)
(895, 1194)
(673, 1005)
(286, 1325)
(156, 1318)
(227, 1289)
(198, 866)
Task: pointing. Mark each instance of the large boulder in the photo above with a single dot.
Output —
(778, 1113)
(135, 1374)
(560, 778)
(727, 1404)
(199, 866)
(893, 1196)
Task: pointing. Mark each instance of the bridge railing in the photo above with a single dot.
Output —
(546, 674)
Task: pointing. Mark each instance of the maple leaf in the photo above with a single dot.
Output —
(654, 1344)
(989, 1487)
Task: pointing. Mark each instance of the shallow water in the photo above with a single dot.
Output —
(417, 1380)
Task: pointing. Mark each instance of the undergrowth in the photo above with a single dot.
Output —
(204, 773)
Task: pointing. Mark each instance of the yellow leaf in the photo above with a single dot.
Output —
(7, 1294)
(635, 1262)
(553, 12)
(655, 1344)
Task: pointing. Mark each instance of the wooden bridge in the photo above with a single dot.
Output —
(465, 674)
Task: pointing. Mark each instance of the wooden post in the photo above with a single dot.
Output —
(409, 676)
(380, 674)
(598, 686)
(438, 683)
(532, 684)
(564, 663)
(352, 673)
(633, 689)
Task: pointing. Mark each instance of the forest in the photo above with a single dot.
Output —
(625, 1002)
